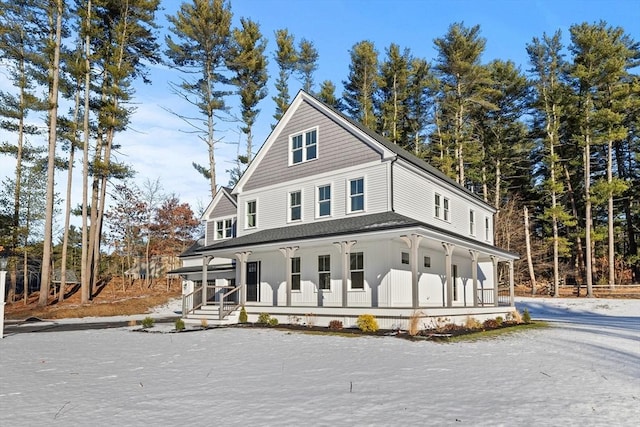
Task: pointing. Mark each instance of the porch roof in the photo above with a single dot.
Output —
(361, 224)
(198, 268)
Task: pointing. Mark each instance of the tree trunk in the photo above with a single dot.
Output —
(527, 239)
(587, 216)
(84, 261)
(610, 214)
(54, 74)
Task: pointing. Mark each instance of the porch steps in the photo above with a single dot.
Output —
(210, 313)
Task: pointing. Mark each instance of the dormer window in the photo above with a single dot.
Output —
(304, 146)
(225, 229)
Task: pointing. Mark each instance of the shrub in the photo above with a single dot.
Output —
(526, 316)
(367, 323)
(310, 320)
(335, 325)
(179, 325)
(473, 323)
(499, 320)
(414, 323)
(147, 322)
(273, 321)
(243, 316)
(264, 318)
(204, 323)
(515, 316)
(490, 324)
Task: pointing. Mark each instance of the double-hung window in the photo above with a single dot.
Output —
(472, 222)
(304, 146)
(224, 229)
(295, 205)
(356, 195)
(252, 212)
(324, 272)
(356, 268)
(295, 274)
(441, 207)
(324, 200)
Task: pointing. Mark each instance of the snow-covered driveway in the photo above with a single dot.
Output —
(585, 370)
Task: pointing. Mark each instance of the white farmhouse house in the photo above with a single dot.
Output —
(330, 221)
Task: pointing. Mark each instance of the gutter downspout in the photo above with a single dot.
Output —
(391, 208)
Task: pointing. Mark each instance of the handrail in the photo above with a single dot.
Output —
(226, 303)
(227, 306)
(195, 298)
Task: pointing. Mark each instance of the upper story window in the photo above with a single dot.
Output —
(487, 229)
(356, 195)
(472, 222)
(441, 205)
(225, 229)
(295, 205)
(324, 200)
(252, 212)
(304, 146)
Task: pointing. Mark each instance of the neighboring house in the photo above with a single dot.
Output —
(331, 220)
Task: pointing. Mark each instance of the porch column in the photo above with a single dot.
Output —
(511, 285)
(288, 254)
(474, 275)
(448, 251)
(494, 261)
(413, 242)
(242, 259)
(205, 270)
(345, 249)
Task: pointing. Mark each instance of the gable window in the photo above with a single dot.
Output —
(405, 258)
(356, 195)
(324, 272)
(295, 206)
(356, 268)
(295, 274)
(441, 207)
(472, 223)
(324, 200)
(487, 229)
(304, 146)
(251, 213)
(224, 229)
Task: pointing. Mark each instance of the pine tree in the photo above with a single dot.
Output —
(287, 59)
(393, 94)
(307, 63)
(362, 83)
(249, 63)
(203, 34)
(327, 94)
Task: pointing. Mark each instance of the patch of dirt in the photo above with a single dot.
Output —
(115, 298)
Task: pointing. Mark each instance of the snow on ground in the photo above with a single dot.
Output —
(584, 370)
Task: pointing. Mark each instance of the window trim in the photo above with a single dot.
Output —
(224, 229)
(351, 196)
(356, 270)
(254, 214)
(291, 206)
(441, 207)
(318, 201)
(324, 272)
(298, 274)
(472, 222)
(304, 145)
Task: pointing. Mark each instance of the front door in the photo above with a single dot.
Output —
(253, 280)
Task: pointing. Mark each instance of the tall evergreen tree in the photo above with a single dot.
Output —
(249, 63)
(307, 63)
(419, 104)
(203, 31)
(327, 94)
(464, 86)
(393, 94)
(287, 59)
(362, 83)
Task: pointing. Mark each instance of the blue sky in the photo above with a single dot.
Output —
(157, 146)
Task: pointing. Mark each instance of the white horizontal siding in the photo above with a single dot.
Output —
(273, 202)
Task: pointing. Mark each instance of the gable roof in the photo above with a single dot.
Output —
(381, 144)
(222, 192)
(361, 224)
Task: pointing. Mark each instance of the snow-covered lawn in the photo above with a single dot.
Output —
(584, 370)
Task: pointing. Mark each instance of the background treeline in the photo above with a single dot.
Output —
(554, 147)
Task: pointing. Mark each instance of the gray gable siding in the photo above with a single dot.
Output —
(223, 209)
(337, 149)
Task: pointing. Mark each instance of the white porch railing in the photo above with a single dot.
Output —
(226, 298)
